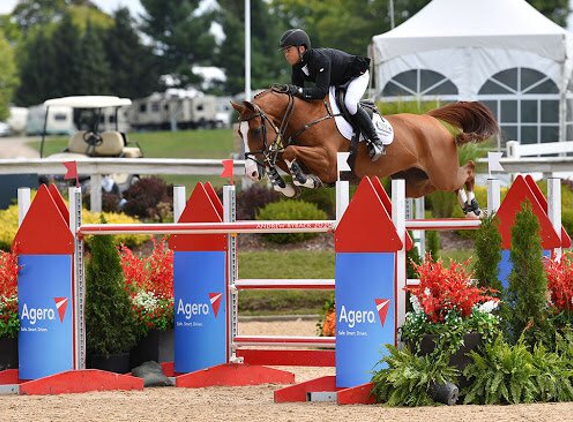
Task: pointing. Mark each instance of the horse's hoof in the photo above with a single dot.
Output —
(290, 191)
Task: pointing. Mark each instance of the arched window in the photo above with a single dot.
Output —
(419, 83)
(526, 104)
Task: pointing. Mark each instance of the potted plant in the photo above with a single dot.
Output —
(9, 321)
(109, 316)
(149, 283)
(450, 314)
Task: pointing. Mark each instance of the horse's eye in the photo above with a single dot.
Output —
(257, 131)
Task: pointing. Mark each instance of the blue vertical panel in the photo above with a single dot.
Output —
(364, 294)
(199, 280)
(45, 302)
(505, 266)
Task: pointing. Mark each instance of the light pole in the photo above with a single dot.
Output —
(391, 13)
(247, 49)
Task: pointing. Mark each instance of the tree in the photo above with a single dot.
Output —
(38, 69)
(8, 78)
(93, 68)
(66, 42)
(556, 10)
(267, 64)
(181, 34)
(134, 67)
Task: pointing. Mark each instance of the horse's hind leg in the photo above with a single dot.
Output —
(467, 197)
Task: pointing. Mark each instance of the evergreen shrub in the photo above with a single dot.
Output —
(110, 320)
(290, 210)
(487, 247)
(526, 312)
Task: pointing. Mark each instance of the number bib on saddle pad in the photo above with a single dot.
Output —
(383, 127)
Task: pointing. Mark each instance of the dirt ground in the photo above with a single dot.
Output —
(250, 404)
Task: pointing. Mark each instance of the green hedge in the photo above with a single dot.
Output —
(290, 210)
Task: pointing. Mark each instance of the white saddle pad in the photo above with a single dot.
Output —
(382, 126)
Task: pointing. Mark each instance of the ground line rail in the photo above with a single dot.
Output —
(285, 341)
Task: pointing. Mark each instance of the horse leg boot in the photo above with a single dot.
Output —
(376, 148)
(300, 178)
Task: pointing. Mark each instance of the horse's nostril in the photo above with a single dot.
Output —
(254, 174)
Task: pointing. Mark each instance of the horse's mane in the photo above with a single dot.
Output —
(474, 119)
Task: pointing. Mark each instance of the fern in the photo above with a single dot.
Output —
(408, 379)
(501, 374)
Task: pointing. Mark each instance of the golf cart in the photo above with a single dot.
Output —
(98, 120)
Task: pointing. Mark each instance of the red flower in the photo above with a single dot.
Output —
(8, 274)
(442, 289)
(560, 282)
(151, 274)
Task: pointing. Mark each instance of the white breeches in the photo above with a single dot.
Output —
(355, 92)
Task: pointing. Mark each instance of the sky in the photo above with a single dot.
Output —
(108, 6)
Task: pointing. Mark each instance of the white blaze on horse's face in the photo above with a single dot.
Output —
(251, 168)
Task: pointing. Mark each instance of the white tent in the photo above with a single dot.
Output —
(502, 52)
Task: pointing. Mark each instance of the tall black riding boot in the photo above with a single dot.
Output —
(375, 146)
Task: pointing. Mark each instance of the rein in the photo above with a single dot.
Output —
(271, 151)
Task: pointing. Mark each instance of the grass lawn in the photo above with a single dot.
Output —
(214, 143)
(295, 264)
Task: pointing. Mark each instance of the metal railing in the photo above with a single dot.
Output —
(96, 167)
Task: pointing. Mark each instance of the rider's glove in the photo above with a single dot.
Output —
(294, 90)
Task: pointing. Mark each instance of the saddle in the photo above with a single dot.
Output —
(368, 105)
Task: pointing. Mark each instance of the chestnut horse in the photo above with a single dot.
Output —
(302, 139)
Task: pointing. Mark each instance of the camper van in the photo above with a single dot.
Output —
(17, 119)
(60, 120)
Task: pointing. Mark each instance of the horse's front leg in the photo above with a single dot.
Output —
(279, 184)
(312, 158)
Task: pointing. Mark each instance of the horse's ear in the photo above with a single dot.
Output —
(240, 108)
(249, 105)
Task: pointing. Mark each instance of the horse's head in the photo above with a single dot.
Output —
(261, 137)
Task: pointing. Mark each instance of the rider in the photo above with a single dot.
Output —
(326, 67)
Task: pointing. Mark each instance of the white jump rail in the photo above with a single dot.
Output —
(287, 226)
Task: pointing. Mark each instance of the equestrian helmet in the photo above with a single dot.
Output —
(295, 37)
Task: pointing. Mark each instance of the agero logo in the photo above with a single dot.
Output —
(353, 317)
(190, 310)
(34, 315)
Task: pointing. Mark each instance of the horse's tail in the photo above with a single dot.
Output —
(476, 122)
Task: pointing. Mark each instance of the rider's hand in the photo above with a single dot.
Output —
(294, 90)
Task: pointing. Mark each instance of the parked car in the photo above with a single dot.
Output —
(4, 129)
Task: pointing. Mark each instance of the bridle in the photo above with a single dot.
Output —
(271, 150)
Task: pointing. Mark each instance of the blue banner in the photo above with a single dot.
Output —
(505, 266)
(199, 280)
(45, 302)
(365, 316)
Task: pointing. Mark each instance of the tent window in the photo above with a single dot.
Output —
(419, 82)
(529, 111)
(492, 87)
(526, 104)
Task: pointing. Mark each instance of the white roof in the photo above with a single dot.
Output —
(88, 101)
(505, 24)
